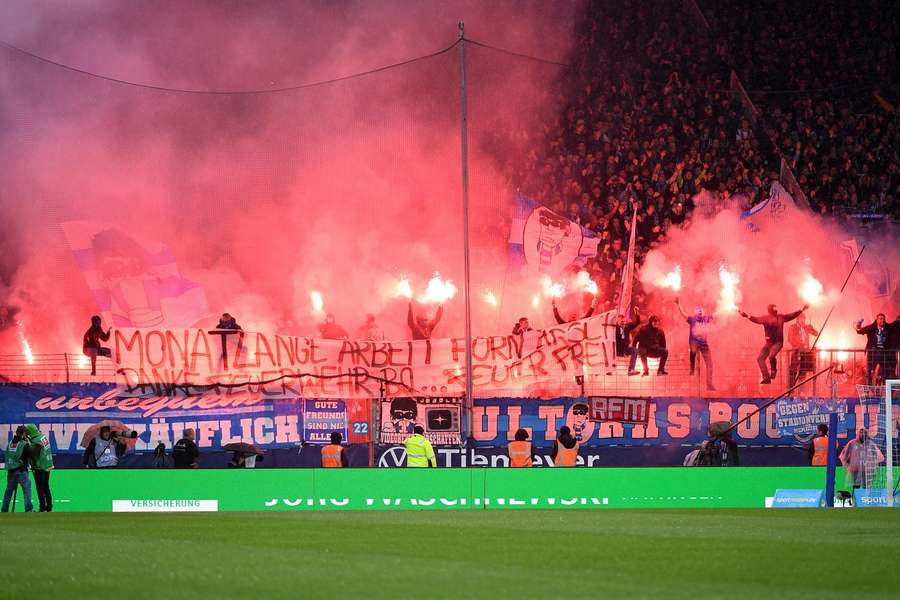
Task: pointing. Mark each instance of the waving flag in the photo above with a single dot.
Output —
(135, 283)
(543, 242)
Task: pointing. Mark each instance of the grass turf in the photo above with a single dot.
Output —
(455, 554)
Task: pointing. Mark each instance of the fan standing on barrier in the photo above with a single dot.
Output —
(91, 342)
(773, 325)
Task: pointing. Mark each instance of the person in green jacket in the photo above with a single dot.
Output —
(17, 469)
(419, 452)
(41, 465)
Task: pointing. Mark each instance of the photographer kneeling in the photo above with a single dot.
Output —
(104, 451)
(17, 469)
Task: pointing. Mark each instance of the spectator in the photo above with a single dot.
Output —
(881, 359)
(773, 326)
(329, 330)
(104, 451)
(228, 323)
(369, 330)
(698, 340)
(91, 343)
(185, 453)
(623, 332)
(421, 327)
(802, 359)
(573, 316)
(650, 340)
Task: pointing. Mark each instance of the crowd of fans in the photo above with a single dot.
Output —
(649, 118)
(824, 77)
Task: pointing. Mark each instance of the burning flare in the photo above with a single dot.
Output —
(672, 279)
(489, 297)
(551, 289)
(811, 291)
(583, 282)
(728, 295)
(403, 289)
(26, 347)
(317, 302)
(438, 291)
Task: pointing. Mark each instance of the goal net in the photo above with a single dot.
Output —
(874, 466)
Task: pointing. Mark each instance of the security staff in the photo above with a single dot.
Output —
(818, 447)
(334, 455)
(520, 450)
(565, 449)
(41, 465)
(419, 452)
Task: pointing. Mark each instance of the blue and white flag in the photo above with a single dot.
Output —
(777, 207)
(136, 283)
(543, 242)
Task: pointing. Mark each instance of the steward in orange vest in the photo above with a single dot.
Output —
(334, 455)
(565, 449)
(520, 451)
(818, 447)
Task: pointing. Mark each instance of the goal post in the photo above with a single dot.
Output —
(891, 386)
(878, 470)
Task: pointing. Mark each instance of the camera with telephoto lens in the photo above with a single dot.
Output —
(125, 434)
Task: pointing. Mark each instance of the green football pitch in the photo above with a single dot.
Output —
(455, 554)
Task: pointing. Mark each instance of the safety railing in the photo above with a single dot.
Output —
(735, 374)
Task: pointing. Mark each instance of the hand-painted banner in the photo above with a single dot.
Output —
(321, 418)
(191, 361)
(622, 410)
(65, 411)
(441, 418)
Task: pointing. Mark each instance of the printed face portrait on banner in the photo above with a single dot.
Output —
(578, 421)
(439, 417)
(551, 242)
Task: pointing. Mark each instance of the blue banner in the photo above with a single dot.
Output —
(681, 421)
(321, 418)
(800, 416)
(65, 411)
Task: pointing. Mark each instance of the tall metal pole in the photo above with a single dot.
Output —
(464, 141)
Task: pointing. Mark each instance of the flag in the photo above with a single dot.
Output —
(136, 283)
(628, 271)
(543, 242)
(775, 208)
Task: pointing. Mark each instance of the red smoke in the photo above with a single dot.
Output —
(264, 198)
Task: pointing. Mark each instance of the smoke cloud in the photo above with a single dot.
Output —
(263, 198)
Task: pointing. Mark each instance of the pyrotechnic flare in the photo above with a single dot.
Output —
(317, 302)
(728, 295)
(672, 279)
(583, 282)
(438, 290)
(489, 297)
(26, 347)
(811, 291)
(535, 301)
(551, 289)
(403, 289)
